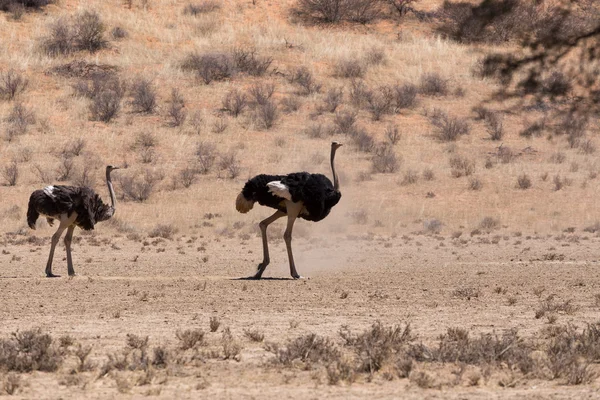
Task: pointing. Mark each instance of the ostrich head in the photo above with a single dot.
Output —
(336, 145)
(110, 168)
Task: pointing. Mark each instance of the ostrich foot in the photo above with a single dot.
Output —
(51, 275)
(300, 277)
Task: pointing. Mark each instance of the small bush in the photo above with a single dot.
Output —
(266, 114)
(385, 160)
(254, 335)
(230, 164)
(333, 99)
(433, 84)
(11, 173)
(234, 103)
(428, 174)
(392, 134)
(248, 62)
(88, 31)
(449, 128)
(561, 182)
(176, 109)
(290, 104)
(350, 68)
(363, 140)
(404, 96)
(305, 80)
(19, 119)
(359, 94)
(206, 155)
(261, 93)
(344, 121)
(378, 104)
(410, 177)
(190, 338)
(461, 166)
(475, 184)
(60, 40)
(106, 105)
(187, 176)
(557, 84)
(118, 33)
(65, 169)
(29, 350)
(524, 182)
(204, 7)
(12, 83)
(495, 126)
(309, 349)
(143, 96)
(165, 231)
(138, 187)
(210, 66)
(489, 224)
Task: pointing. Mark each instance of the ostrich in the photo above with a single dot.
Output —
(297, 195)
(72, 206)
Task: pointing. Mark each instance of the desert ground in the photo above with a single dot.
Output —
(458, 264)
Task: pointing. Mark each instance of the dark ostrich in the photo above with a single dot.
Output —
(297, 195)
(72, 206)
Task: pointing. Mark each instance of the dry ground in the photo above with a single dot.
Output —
(394, 250)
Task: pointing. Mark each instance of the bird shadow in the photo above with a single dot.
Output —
(251, 278)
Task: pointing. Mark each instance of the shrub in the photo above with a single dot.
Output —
(449, 128)
(404, 96)
(65, 169)
(350, 68)
(290, 104)
(248, 62)
(12, 83)
(210, 66)
(385, 160)
(410, 177)
(556, 84)
(187, 176)
(214, 324)
(363, 140)
(261, 93)
(378, 104)
(363, 11)
(344, 121)
(206, 155)
(204, 7)
(11, 173)
(561, 182)
(19, 119)
(266, 114)
(176, 109)
(88, 31)
(234, 103)
(190, 338)
(322, 10)
(315, 131)
(254, 335)
(230, 164)
(106, 105)
(428, 174)
(332, 100)
(359, 94)
(523, 182)
(304, 78)
(118, 33)
(165, 231)
(392, 134)
(60, 40)
(138, 187)
(489, 224)
(308, 349)
(461, 166)
(29, 350)
(495, 126)
(144, 96)
(475, 184)
(433, 84)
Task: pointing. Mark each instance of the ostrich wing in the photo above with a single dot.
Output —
(279, 189)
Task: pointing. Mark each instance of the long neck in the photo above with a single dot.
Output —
(336, 182)
(113, 200)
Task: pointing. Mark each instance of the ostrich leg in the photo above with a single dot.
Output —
(64, 223)
(293, 210)
(263, 230)
(68, 240)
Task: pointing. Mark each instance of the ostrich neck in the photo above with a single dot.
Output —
(336, 182)
(110, 190)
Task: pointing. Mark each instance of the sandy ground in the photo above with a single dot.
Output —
(127, 287)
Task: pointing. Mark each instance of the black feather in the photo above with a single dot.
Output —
(315, 191)
(84, 201)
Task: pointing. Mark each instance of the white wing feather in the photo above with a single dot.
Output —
(279, 190)
(48, 190)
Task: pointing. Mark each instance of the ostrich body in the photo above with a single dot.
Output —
(297, 195)
(72, 206)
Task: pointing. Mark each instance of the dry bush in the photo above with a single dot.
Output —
(261, 93)
(410, 177)
(210, 66)
(535, 128)
(190, 338)
(375, 56)
(550, 305)
(176, 109)
(505, 154)
(11, 383)
(165, 231)
(466, 293)
(475, 184)
(359, 217)
(433, 226)
(234, 103)
(363, 11)
(344, 121)
(332, 100)
(266, 114)
(8, 5)
(220, 125)
(139, 186)
(143, 96)
(315, 131)
(30, 350)
(385, 160)
(432, 84)
(377, 345)
(333, 11)
(524, 182)
(561, 182)
(187, 176)
(557, 158)
(214, 324)
(363, 140)
(428, 174)
(254, 335)
(118, 33)
(231, 348)
(308, 349)
(449, 128)
(290, 104)
(587, 147)
(392, 134)
(379, 104)
(18, 120)
(494, 125)
(105, 103)
(60, 39)
(359, 94)
(461, 166)
(230, 164)
(556, 84)
(203, 7)
(488, 224)
(10, 173)
(349, 68)
(206, 155)
(83, 32)
(248, 62)
(73, 148)
(65, 169)
(305, 80)
(403, 96)
(84, 176)
(12, 83)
